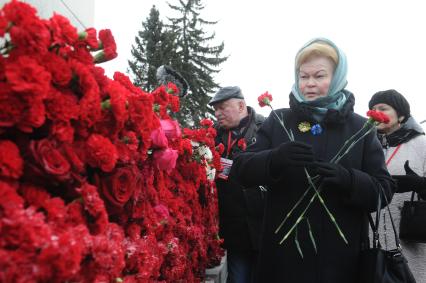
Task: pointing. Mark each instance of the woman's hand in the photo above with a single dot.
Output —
(291, 154)
(334, 175)
(410, 182)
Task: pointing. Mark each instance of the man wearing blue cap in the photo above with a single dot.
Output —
(240, 208)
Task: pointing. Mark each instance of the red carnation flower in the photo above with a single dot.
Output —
(62, 131)
(109, 51)
(265, 99)
(185, 147)
(101, 153)
(59, 68)
(31, 37)
(17, 12)
(242, 144)
(62, 105)
(11, 163)
(206, 123)
(220, 148)
(94, 205)
(89, 36)
(378, 116)
(62, 30)
(3, 26)
(174, 103)
(11, 106)
(172, 88)
(25, 75)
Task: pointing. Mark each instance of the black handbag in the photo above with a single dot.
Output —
(383, 266)
(412, 227)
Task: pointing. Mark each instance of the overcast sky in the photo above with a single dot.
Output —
(385, 42)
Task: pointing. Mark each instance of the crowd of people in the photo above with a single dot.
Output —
(270, 164)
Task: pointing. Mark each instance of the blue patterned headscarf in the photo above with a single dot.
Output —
(336, 97)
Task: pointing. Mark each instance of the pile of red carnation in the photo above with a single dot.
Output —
(97, 182)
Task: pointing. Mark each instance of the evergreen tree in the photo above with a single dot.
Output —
(154, 47)
(196, 60)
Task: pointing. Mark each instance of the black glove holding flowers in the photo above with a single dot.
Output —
(410, 182)
(290, 154)
(334, 175)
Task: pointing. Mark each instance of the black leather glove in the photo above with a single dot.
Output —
(410, 182)
(334, 175)
(297, 154)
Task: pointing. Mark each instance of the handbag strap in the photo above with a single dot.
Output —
(393, 154)
(412, 197)
(375, 227)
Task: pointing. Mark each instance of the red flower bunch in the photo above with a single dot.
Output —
(97, 182)
(378, 116)
(265, 99)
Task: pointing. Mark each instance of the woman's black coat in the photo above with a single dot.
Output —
(334, 261)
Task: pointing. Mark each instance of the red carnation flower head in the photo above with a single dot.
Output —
(62, 30)
(11, 163)
(242, 144)
(265, 99)
(220, 148)
(18, 12)
(174, 103)
(185, 147)
(101, 153)
(172, 88)
(26, 75)
(377, 116)
(108, 45)
(89, 36)
(206, 123)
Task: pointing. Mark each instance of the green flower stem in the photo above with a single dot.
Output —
(281, 121)
(296, 241)
(350, 140)
(295, 206)
(299, 219)
(353, 144)
(328, 211)
(311, 235)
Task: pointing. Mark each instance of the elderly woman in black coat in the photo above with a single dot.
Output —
(350, 188)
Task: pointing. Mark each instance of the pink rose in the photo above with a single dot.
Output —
(165, 159)
(158, 139)
(162, 211)
(171, 129)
